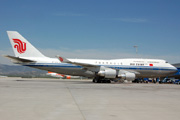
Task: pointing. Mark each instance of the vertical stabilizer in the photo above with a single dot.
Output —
(21, 47)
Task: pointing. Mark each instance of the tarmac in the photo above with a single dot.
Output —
(74, 99)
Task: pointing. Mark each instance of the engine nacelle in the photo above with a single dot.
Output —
(127, 76)
(107, 73)
(111, 73)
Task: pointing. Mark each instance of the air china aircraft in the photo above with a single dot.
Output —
(100, 70)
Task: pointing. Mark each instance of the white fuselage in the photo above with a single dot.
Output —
(141, 67)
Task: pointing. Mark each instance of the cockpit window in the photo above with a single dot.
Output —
(166, 62)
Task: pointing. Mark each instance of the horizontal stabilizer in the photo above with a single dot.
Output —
(19, 60)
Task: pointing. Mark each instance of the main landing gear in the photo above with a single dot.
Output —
(101, 80)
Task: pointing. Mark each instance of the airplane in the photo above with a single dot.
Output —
(53, 74)
(100, 70)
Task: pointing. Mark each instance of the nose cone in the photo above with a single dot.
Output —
(174, 70)
(177, 72)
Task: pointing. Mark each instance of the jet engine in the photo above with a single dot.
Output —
(107, 73)
(112, 73)
(127, 76)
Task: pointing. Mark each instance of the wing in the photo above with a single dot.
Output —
(102, 70)
(65, 60)
(88, 66)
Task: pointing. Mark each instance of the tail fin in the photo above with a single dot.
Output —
(21, 47)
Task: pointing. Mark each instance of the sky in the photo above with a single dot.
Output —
(97, 29)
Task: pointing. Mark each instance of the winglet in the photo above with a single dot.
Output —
(63, 59)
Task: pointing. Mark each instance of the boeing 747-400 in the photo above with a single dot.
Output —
(100, 70)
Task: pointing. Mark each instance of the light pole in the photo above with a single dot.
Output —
(136, 47)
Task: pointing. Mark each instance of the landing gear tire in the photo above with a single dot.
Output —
(99, 81)
(96, 80)
(108, 81)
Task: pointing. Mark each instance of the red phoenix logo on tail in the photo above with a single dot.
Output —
(21, 46)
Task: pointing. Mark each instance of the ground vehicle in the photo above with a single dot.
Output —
(176, 81)
(167, 80)
(170, 81)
